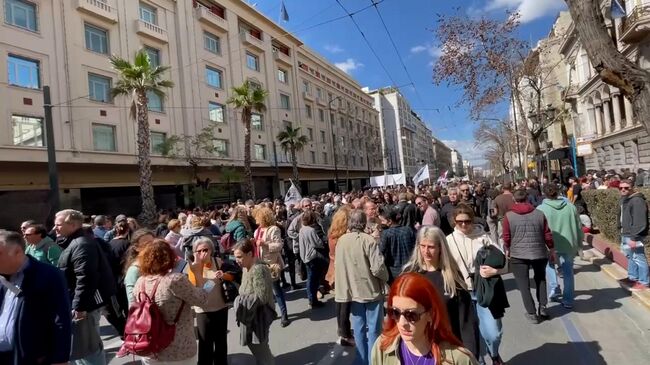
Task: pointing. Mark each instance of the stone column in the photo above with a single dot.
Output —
(599, 120)
(629, 114)
(608, 120)
(617, 111)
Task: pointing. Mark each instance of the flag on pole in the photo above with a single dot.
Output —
(617, 9)
(283, 13)
(421, 175)
(293, 196)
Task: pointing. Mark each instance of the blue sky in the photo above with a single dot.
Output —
(410, 23)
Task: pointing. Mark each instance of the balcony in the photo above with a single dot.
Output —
(307, 96)
(151, 31)
(250, 40)
(99, 8)
(636, 25)
(282, 58)
(208, 17)
(321, 101)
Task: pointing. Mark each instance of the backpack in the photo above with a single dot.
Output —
(146, 332)
(226, 242)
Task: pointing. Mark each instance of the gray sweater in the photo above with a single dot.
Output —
(312, 246)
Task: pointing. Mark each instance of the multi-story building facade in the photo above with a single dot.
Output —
(210, 47)
(457, 163)
(441, 157)
(405, 137)
(609, 135)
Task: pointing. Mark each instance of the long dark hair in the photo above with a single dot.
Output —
(134, 249)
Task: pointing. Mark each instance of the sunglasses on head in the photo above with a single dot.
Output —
(410, 315)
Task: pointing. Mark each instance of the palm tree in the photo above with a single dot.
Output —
(135, 81)
(249, 99)
(292, 141)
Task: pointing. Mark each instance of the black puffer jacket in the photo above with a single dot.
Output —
(87, 272)
(634, 217)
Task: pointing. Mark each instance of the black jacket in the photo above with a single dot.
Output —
(491, 292)
(87, 272)
(634, 217)
(43, 325)
(447, 218)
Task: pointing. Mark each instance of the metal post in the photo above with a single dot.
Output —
(574, 154)
(51, 151)
(332, 124)
(277, 169)
(514, 114)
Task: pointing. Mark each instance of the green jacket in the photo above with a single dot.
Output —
(564, 222)
(237, 230)
(46, 251)
(451, 355)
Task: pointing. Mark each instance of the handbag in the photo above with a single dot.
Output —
(229, 289)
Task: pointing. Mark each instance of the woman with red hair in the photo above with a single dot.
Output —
(417, 329)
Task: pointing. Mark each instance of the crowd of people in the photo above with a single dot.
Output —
(416, 273)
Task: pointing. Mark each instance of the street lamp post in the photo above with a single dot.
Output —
(332, 123)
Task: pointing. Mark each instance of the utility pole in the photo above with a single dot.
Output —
(514, 115)
(277, 169)
(51, 152)
(332, 124)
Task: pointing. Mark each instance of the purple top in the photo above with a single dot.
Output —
(408, 358)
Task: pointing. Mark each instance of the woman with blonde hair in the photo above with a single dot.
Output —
(238, 225)
(338, 228)
(269, 243)
(431, 258)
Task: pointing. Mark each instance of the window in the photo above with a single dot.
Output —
(305, 86)
(284, 102)
(283, 77)
(104, 137)
(308, 108)
(158, 139)
(325, 157)
(28, 131)
(155, 103)
(216, 112)
(322, 136)
(21, 14)
(96, 39)
(312, 154)
(254, 84)
(252, 62)
(310, 134)
(213, 77)
(319, 92)
(148, 14)
(154, 56)
(256, 122)
(321, 115)
(259, 152)
(220, 147)
(23, 72)
(342, 123)
(99, 88)
(211, 43)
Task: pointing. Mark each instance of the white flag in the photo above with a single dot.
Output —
(421, 175)
(293, 196)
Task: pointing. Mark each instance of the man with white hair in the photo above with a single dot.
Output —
(90, 285)
(34, 312)
(293, 233)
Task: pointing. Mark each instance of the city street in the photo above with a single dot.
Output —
(606, 326)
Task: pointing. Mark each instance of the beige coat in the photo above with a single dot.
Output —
(450, 355)
(360, 272)
(270, 246)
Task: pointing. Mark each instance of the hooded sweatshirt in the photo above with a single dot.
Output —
(463, 249)
(564, 222)
(634, 217)
(526, 233)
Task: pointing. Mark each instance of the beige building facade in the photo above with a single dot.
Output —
(210, 47)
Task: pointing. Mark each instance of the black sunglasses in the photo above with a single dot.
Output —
(410, 315)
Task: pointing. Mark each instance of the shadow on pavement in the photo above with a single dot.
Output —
(591, 301)
(306, 356)
(576, 353)
(324, 313)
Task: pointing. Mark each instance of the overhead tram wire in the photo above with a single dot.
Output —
(367, 42)
(401, 60)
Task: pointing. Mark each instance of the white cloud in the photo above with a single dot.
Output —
(528, 9)
(433, 51)
(333, 48)
(348, 65)
(418, 49)
(467, 150)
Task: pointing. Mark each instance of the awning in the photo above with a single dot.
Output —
(556, 154)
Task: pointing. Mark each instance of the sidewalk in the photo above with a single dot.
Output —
(613, 262)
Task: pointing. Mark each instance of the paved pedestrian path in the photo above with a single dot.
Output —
(606, 326)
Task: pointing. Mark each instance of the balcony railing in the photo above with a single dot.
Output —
(100, 8)
(151, 30)
(636, 25)
(282, 57)
(250, 40)
(208, 16)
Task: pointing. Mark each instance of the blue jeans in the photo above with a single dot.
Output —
(366, 323)
(278, 294)
(491, 330)
(314, 277)
(637, 263)
(566, 265)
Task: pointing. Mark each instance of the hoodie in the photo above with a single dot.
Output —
(526, 233)
(634, 217)
(565, 224)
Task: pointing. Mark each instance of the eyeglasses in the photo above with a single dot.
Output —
(463, 222)
(624, 188)
(202, 250)
(411, 316)
(464, 190)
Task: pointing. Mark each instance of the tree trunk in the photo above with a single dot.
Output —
(249, 189)
(294, 163)
(612, 66)
(148, 213)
